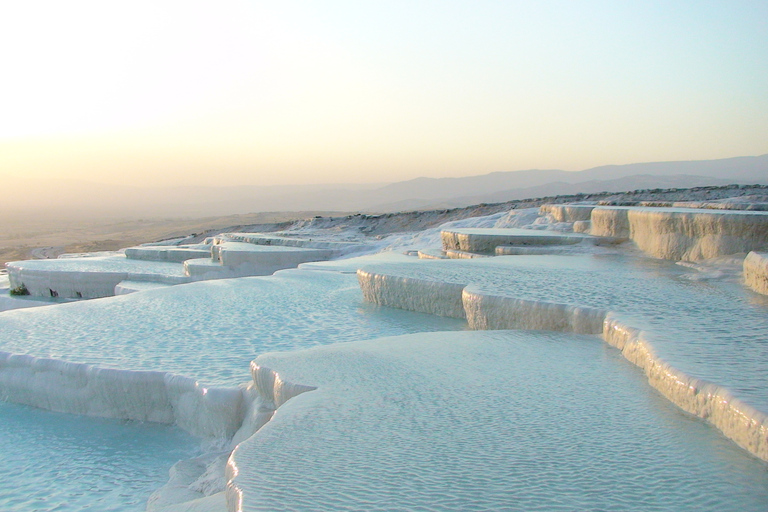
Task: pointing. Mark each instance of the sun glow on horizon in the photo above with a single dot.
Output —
(255, 93)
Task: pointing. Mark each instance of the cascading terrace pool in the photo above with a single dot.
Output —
(299, 392)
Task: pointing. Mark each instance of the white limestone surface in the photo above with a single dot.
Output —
(206, 268)
(463, 255)
(494, 420)
(733, 203)
(350, 265)
(432, 254)
(712, 331)
(177, 355)
(582, 226)
(175, 253)
(756, 271)
(485, 240)
(247, 259)
(154, 396)
(88, 278)
(693, 235)
(567, 212)
(8, 301)
(684, 233)
(332, 244)
(516, 250)
(610, 221)
(126, 287)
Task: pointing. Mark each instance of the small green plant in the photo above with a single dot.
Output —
(20, 290)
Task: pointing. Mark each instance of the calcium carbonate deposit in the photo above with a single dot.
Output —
(573, 357)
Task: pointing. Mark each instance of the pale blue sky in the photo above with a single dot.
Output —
(159, 93)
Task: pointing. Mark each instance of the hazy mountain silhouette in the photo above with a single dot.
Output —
(82, 199)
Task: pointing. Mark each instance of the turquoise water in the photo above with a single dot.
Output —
(61, 462)
(487, 420)
(212, 330)
(100, 264)
(710, 328)
(209, 331)
(541, 422)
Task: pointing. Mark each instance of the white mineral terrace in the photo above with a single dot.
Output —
(339, 247)
(671, 233)
(224, 257)
(568, 212)
(685, 333)
(244, 259)
(176, 254)
(88, 277)
(325, 390)
(756, 271)
(486, 240)
(145, 356)
(478, 421)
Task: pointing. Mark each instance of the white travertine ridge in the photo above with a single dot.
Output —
(476, 420)
(693, 330)
(126, 287)
(613, 221)
(515, 250)
(427, 254)
(206, 268)
(247, 259)
(582, 226)
(567, 212)
(225, 256)
(696, 235)
(176, 253)
(339, 248)
(683, 234)
(123, 394)
(433, 297)
(463, 255)
(740, 422)
(486, 311)
(756, 271)
(88, 278)
(486, 240)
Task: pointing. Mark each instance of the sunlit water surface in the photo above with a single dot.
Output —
(211, 330)
(488, 420)
(60, 462)
(709, 327)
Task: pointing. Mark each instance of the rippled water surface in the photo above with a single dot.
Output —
(60, 462)
(488, 420)
(117, 263)
(711, 328)
(211, 330)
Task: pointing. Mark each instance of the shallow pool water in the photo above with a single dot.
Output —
(61, 462)
(711, 328)
(98, 264)
(211, 330)
(433, 421)
(487, 420)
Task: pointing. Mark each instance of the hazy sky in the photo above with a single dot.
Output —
(283, 92)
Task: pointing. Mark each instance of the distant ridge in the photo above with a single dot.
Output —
(510, 185)
(81, 199)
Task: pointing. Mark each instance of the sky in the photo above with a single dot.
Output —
(164, 93)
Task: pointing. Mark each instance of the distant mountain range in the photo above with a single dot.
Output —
(81, 198)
